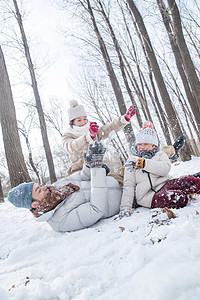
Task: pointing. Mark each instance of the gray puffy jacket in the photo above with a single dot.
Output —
(99, 197)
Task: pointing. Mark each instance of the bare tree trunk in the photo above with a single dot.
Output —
(1, 192)
(156, 69)
(138, 92)
(196, 42)
(18, 172)
(30, 157)
(172, 120)
(37, 97)
(185, 106)
(187, 61)
(117, 144)
(118, 50)
(179, 61)
(155, 101)
(115, 84)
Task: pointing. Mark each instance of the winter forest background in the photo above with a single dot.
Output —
(107, 55)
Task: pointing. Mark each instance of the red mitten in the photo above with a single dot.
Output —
(93, 129)
(130, 112)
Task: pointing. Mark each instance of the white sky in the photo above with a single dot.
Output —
(50, 54)
(44, 23)
(48, 48)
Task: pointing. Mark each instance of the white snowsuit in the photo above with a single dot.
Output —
(99, 197)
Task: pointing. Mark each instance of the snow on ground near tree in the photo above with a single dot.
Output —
(149, 257)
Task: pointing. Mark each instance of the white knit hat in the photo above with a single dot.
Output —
(75, 110)
(147, 134)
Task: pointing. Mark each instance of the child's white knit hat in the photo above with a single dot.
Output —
(75, 110)
(147, 134)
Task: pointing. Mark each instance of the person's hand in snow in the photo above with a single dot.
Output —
(125, 213)
(130, 112)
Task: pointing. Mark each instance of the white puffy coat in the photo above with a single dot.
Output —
(138, 184)
(99, 197)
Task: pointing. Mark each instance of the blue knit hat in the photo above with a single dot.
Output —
(21, 195)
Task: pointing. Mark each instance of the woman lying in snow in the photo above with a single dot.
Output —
(89, 195)
(147, 177)
(86, 197)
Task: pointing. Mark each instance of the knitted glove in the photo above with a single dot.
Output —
(140, 163)
(130, 166)
(130, 112)
(95, 155)
(96, 148)
(125, 213)
(135, 163)
(93, 129)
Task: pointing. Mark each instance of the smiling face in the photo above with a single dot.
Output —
(80, 121)
(39, 193)
(141, 147)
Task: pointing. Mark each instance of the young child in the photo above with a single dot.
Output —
(77, 201)
(147, 177)
(80, 133)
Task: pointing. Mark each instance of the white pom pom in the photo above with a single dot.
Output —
(73, 103)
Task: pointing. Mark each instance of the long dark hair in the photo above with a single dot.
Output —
(71, 123)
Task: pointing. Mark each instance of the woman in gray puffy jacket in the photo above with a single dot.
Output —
(75, 202)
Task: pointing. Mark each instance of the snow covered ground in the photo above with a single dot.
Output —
(147, 256)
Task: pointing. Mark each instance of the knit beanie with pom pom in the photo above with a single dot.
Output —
(147, 134)
(75, 110)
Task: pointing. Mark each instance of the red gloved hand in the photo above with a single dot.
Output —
(130, 112)
(93, 129)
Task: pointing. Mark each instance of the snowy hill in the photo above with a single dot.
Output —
(146, 256)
